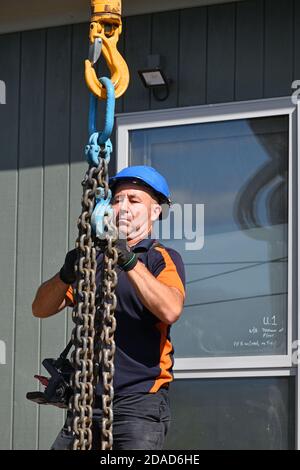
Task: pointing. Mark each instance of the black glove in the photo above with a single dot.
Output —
(126, 258)
(67, 272)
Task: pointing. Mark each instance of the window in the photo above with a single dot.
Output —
(231, 171)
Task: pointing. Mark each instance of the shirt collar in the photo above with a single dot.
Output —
(143, 245)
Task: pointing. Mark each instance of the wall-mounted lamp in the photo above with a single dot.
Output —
(154, 78)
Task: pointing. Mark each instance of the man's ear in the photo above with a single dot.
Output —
(155, 211)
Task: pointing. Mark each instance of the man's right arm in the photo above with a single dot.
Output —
(51, 295)
(50, 298)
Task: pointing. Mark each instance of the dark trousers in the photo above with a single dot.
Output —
(141, 421)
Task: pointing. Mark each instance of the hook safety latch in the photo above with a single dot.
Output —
(105, 30)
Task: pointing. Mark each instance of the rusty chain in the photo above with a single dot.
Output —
(95, 324)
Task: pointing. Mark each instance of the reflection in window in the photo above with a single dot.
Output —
(222, 414)
(237, 282)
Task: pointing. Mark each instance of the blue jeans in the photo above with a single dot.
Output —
(141, 421)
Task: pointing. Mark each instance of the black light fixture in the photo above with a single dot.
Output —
(154, 78)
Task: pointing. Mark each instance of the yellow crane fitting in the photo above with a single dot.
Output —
(105, 30)
(110, 9)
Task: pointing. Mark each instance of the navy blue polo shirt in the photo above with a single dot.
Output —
(144, 352)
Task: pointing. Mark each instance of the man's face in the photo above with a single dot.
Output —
(135, 210)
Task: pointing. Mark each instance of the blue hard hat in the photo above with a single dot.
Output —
(146, 176)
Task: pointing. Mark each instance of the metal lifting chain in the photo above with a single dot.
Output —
(83, 315)
(89, 317)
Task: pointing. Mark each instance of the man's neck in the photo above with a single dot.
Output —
(135, 241)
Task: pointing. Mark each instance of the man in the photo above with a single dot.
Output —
(150, 298)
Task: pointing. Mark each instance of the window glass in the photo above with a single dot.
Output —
(221, 414)
(229, 185)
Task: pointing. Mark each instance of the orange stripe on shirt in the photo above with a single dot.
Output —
(165, 363)
(169, 275)
(70, 294)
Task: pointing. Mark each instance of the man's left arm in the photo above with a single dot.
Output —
(165, 302)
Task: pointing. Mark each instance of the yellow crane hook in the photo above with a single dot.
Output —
(105, 30)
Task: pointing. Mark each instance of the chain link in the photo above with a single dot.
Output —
(95, 324)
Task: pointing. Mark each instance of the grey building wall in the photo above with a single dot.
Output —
(222, 53)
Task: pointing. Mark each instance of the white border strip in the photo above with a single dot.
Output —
(230, 362)
(221, 374)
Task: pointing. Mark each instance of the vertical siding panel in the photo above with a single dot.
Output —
(249, 50)
(9, 120)
(278, 48)
(78, 134)
(29, 236)
(192, 63)
(137, 49)
(165, 42)
(56, 203)
(221, 56)
(296, 75)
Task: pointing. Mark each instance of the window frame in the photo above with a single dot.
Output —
(127, 122)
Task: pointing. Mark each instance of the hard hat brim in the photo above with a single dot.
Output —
(115, 181)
